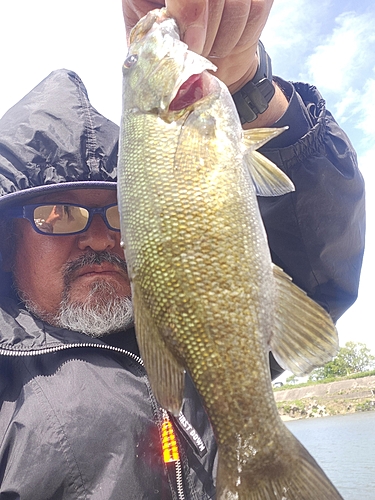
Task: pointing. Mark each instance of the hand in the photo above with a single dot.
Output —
(55, 215)
(224, 31)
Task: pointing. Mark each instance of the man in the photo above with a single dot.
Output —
(78, 418)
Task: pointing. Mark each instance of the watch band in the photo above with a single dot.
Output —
(253, 98)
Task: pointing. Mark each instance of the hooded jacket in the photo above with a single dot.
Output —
(78, 419)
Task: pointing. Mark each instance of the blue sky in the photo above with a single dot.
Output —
(330, 44)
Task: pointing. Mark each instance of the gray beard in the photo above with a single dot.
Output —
(102, 313)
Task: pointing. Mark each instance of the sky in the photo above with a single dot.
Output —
(330, 44)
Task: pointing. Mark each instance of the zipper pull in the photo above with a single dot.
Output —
(169, 442)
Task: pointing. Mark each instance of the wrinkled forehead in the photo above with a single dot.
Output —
(87, 197)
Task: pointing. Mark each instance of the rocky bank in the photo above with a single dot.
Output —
(333, 398)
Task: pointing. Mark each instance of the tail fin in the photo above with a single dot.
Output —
(295, 478)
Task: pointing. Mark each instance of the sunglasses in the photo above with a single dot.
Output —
(62, 219)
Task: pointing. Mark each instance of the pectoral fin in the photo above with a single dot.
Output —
(165, 373)
(267, 178)
(305, 336)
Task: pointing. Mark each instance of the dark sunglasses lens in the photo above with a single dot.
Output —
(113, 217)
(60, 219)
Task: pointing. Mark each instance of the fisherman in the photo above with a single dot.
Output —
(78, 418)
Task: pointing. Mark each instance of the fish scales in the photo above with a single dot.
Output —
(204, 289)
(199, 266)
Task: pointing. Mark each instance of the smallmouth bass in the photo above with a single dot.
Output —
(207, 298)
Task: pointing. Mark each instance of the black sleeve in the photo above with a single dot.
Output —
(316, 234)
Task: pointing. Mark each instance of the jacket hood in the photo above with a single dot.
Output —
(54, 139)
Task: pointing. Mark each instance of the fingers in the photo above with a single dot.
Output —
(210, 27)
(214, 28)
(215, 16)
(192, 19)
(258, 16)
(134, 10)
(226, 31)
(224, 37)
(241, 24)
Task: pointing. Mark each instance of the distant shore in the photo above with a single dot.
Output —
(322, 400)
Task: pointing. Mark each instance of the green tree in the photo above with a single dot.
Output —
(352, 358)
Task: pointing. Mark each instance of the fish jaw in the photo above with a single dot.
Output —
(159, 65)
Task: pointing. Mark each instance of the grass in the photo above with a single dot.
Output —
(325, 381)
(365, 406)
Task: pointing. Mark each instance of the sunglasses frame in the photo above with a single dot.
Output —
(27, 212)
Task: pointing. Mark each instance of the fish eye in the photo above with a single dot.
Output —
(130, 61)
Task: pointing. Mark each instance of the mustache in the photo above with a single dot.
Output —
(89, 259)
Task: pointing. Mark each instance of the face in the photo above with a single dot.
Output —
(40, 259)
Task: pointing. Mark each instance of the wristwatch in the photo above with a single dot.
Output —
(253, 98)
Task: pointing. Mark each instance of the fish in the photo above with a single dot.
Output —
(207, 298)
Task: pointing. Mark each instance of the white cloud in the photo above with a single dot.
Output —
(341, 60)
(350, 101)
(286, 19)
(357, 105)
(367, 111)
(293, 29)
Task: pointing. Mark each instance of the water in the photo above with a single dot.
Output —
(344, 446)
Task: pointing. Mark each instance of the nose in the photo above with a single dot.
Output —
(98, 236)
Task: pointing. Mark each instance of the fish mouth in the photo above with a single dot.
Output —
(191, 91)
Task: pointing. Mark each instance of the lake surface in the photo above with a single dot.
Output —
(344, 446)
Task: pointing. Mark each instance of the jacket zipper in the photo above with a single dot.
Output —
(51, 350)
(171, 452)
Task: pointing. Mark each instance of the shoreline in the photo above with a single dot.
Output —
(323, 400)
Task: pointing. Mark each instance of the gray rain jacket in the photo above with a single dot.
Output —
(78, 419)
